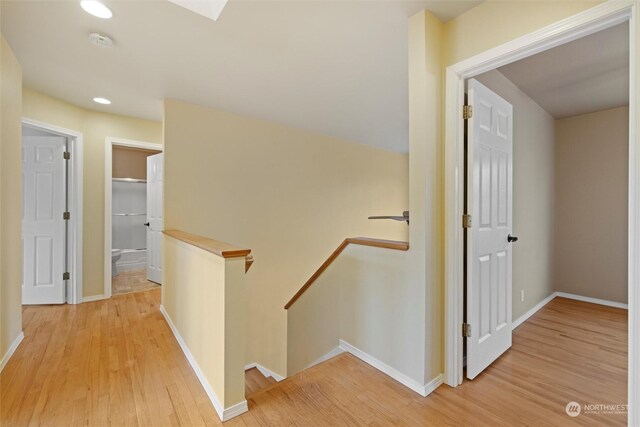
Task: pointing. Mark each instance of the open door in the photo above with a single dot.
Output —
(43, 222)
(155, 220)
(490, 203)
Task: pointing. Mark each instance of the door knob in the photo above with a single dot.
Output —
(146, 224)
(511, 238)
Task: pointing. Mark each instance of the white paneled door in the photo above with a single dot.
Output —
(155, 221)
(490, 200)
(43, 225)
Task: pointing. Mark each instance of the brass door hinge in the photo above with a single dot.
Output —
(66, 215)
(466, 221)
(66, 155)
(467, 112)
(466, 330)
(66, 276)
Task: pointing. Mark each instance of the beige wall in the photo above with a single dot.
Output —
(204, 297)
(10, 198)
(367, 298)
(130, 162)
(95, 127)
(592, 181)
(291, 196)
(425, 184)
(533, 194)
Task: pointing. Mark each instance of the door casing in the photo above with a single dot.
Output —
(595, 19)
(110, 142)
(75, 188)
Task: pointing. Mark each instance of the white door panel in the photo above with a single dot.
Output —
(155, 172)
(43, 226)
(490, 151)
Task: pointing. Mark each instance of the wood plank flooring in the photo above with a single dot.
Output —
(115, 362)
(131, 281)
(256, 382)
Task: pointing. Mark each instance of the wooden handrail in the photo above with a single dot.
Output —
(222, 249)
(364, 241)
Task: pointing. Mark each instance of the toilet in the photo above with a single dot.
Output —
(115, 256)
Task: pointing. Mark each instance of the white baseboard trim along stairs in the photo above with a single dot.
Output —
(264, 371)
(422, 389)
(224, 413)
(520, 320)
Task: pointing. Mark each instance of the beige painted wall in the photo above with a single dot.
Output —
(425, 184)
(533, 194)
(591, 168)
(367, 298)
(204, 296)
(95, 127)
(130, 162)
(291, 196)
(10, 198)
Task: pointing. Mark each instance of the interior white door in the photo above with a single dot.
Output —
(43, 225)
(490, 200)
(155, 221)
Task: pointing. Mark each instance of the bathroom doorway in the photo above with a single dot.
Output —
(127, 219)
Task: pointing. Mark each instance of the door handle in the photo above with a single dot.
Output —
(146, 224)
(511, 238)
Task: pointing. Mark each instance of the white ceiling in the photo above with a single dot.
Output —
(335, 67)
(587, 75)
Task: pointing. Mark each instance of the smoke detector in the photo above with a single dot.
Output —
(100, 40)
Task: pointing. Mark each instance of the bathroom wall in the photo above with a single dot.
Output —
(130, 162)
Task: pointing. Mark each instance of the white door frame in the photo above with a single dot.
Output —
(590, 21)
(108, 176)
(75, 186)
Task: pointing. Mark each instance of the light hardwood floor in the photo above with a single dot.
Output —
(115, 362)
(131, 281)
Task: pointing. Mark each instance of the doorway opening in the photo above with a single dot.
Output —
(597, 19)
(133, 194)
(52, 214)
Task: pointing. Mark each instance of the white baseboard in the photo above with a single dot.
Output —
(224, 413)
(235, 410)
(264, 371)
(93, 298)
(403, 379)
(554, 295)
(333, 353)
(12, 349)
(593, 300)
(532, 311)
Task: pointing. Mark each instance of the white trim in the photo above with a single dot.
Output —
(520, 320)
(592, 300)
(333, 353)
(555, 295)
(432, 385)
(235, 410)
(224, 413)
(264, 371)
(76, 197)
(108, 175)
(12, 349)
(93, 298)
(595, 19)
(422, 389)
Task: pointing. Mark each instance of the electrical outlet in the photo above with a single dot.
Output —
(522, 295)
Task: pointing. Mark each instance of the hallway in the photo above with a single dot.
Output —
(115, 362)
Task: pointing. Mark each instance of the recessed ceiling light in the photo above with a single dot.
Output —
(103, 101)
(95, 8)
